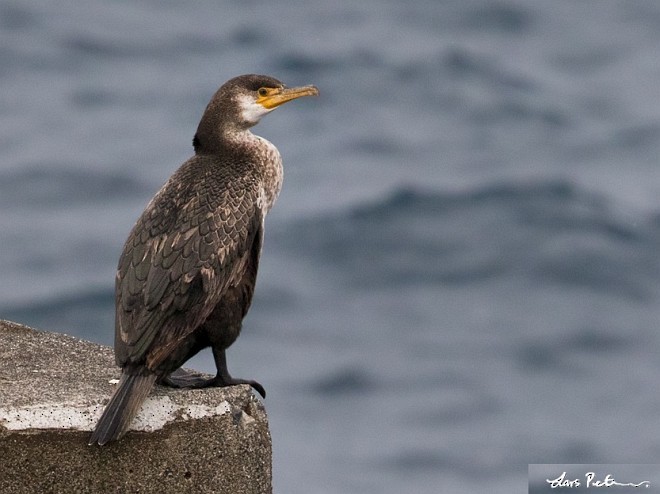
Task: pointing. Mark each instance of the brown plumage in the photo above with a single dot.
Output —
(187, 273)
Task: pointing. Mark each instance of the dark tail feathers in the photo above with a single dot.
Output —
(123, 407)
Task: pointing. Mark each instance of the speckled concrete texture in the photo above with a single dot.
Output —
(52, 390)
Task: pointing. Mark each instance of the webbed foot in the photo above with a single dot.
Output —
(181, 378)
(227, 380)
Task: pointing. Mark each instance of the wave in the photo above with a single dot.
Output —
(545, 232)
(53, 184)
(550, 233)
(86, 313)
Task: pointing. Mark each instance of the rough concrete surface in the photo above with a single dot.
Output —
(52, 391)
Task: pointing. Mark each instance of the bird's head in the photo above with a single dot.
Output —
(241, 102)
(256, 95)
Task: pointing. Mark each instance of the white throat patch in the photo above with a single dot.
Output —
(250, 110)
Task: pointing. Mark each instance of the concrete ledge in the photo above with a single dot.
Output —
(52, 391)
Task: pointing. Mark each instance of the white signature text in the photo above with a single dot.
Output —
(591, 481)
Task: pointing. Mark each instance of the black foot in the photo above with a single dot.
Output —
(185, 379)
(223, 378)
(232, 381)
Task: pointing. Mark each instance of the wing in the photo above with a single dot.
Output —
(181, 256)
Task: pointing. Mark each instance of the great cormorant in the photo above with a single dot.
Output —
(187, 273)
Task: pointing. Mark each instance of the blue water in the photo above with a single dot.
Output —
(462, 273)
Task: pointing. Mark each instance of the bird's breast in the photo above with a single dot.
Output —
(273, 173)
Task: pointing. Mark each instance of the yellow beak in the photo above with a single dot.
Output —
(279, 96)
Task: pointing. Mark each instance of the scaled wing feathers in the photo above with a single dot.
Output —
(180, 257)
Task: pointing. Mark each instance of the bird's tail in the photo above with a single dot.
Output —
(124, 405)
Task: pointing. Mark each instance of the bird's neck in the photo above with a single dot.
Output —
(263, 153)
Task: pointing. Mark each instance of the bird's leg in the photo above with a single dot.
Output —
(223, 378)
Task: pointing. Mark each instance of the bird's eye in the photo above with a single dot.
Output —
(263, 91)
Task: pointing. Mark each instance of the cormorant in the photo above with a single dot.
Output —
(187, 273)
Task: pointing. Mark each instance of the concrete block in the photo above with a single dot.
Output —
(52, 391)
